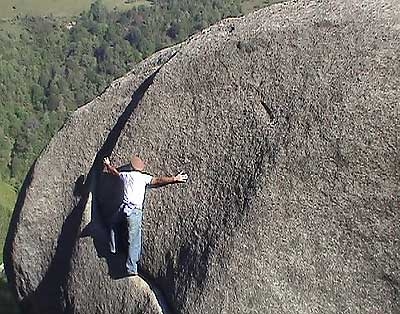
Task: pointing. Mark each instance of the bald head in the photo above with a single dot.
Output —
(137, 163)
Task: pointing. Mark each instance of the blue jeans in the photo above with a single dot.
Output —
(134, 223)
(134, 240)
(116, 220)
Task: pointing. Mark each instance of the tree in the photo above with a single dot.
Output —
(53, 102)
(173, 30)
(37, 96)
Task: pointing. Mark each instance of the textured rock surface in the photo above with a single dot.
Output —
(286, 121)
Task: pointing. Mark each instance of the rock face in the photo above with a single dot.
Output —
(286, 121)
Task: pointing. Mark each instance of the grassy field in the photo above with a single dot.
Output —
(7, 302)
(252, 5)
(8, 195)
(11, 8)
(7, 200)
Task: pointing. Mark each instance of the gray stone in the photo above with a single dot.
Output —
(286, 121)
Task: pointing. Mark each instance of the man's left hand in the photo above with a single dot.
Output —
(181, 177)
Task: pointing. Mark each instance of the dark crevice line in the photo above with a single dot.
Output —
(107, 149)
(51, 294)
(269, 111)
(8, 250)
(111, 141)
(52, 290)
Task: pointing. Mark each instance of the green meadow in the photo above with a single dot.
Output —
(253, 5)
(8, 197)
(13, 8)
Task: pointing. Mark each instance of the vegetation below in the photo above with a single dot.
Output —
(7, 200)
(7, 302)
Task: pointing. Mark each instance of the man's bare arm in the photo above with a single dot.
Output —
(110, 169)
(161, 181)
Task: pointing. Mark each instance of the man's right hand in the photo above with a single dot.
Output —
(106, 161)
(110, 169)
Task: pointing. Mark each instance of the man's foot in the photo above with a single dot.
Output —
(131, 273)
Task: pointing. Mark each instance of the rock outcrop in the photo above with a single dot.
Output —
(286, 121)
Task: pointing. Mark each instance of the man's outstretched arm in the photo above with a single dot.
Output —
(110, 169)
(161, 181)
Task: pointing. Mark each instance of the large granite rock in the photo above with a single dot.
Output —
(286, 121)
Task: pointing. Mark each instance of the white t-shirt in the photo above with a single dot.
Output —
(134, 187)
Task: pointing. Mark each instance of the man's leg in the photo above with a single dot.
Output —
(114, 223)
(134, 240)
(113, 240)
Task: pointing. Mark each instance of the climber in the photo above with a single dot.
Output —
(131, 208)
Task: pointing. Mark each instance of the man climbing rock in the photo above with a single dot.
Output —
(135, 183)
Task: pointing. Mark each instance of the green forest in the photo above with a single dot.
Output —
(51, 65)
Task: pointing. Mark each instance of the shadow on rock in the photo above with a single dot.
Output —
(108, 195)
(46, 298)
